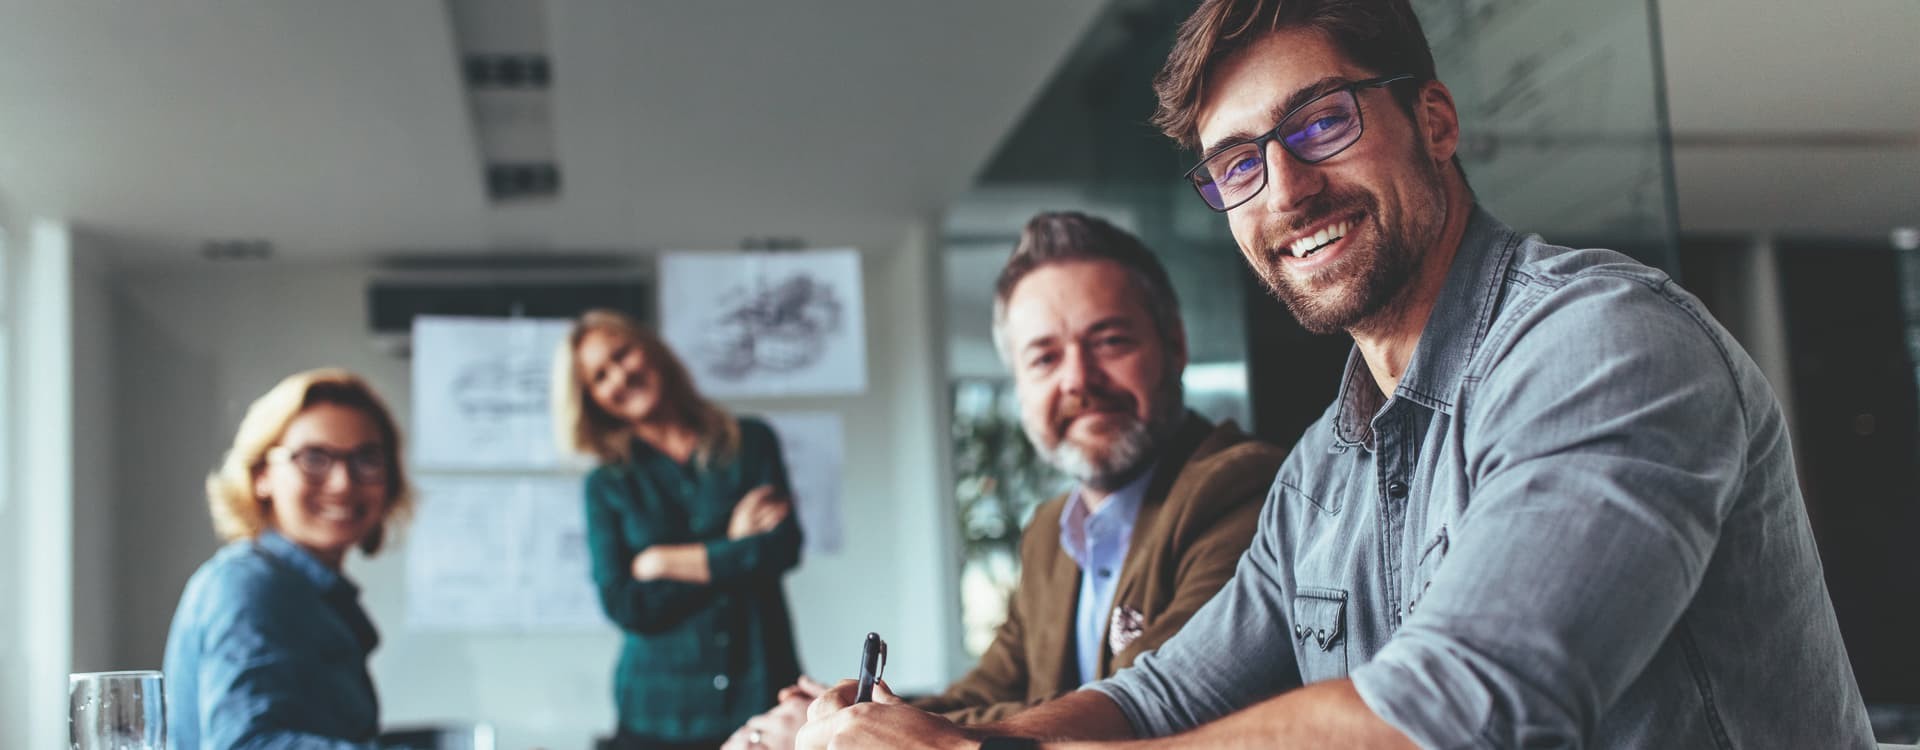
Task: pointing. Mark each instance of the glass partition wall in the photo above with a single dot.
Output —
(1564, 135)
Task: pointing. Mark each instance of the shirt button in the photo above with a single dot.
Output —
(1396, 489)
(1106, 572)
(719, 682)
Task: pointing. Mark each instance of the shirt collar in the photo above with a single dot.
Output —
(1122, 505)
(327, 580)
(1455, 327)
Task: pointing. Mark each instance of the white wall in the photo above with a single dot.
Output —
(95, 548)
(61, 613)
(45, 482)
(197, 344)
(13, 723)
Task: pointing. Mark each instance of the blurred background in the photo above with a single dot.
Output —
(199, 198)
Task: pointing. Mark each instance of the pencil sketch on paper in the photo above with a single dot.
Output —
(782, 326)
(762, 324)
(480, 392)
(503, 386)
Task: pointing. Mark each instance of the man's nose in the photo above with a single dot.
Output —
(1081, 372)
(1289, 182)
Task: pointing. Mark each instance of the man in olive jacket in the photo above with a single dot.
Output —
(1193, 524)
(1164, 502)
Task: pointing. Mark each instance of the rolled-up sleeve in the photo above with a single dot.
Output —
(1192, 678)
(1603, 453)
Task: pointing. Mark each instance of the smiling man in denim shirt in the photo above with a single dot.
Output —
(1552, 505)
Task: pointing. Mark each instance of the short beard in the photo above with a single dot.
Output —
(1128, 454)
(1375, 277)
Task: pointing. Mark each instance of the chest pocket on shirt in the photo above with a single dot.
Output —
(1320, 633)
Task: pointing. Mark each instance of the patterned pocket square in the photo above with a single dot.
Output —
(1125, 628)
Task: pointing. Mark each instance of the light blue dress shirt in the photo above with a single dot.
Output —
(1098, 542)
(268, 649)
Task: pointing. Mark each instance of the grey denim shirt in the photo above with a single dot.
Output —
(1575, 524)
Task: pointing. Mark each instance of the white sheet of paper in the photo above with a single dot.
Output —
(500, 554)
(480, 392)
(767, 323)
(814, 446)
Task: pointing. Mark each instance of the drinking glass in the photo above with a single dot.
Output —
(116, 711)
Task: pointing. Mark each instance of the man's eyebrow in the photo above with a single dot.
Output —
(1110, 323)
(1037, 342)
(1295, 100)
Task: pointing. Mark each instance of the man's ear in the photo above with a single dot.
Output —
(1439, 122)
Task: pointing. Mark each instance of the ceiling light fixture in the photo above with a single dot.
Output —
(1906, 238)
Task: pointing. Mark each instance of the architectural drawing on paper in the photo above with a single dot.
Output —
(780, 326)
(766, 323)
(502, 386)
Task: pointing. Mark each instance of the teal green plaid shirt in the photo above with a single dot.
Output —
(698, 659)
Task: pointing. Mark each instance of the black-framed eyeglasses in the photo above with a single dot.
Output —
(364, 466)
(1313, 132)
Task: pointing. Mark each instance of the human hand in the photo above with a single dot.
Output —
(762, 509)
(650, 564)
(834, 721)
(807, 688)
(772, 730)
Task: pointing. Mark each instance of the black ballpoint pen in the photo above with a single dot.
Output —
(873, 661)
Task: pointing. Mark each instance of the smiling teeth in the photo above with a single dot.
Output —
(1305, 246)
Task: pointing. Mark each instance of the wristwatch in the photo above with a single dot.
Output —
(1010, 743)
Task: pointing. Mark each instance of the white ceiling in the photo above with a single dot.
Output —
(341, 128)
(1754, 86)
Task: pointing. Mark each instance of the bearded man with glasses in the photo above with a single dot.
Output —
(1552, 504)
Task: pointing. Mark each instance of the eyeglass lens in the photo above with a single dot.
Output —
(1314, 133)
(365, 466)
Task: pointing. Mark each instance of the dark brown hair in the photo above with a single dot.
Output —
(1382, 36)
(1066, 236)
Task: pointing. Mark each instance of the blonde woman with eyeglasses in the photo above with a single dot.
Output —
(690, 530)
(269, 644)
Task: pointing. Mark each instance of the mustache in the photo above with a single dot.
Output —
(1073, 406)
(1326, 205)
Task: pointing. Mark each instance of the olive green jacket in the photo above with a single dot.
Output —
(1196, 519)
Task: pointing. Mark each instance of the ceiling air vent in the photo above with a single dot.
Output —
(516, 182)
(508, 71)
(236, 250)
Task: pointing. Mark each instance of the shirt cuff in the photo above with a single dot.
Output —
(1136, 719)
(724, 560)
(1433, 707)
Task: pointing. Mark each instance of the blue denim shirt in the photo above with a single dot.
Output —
(268, 649)
(1575, 524)
(1098, 543)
